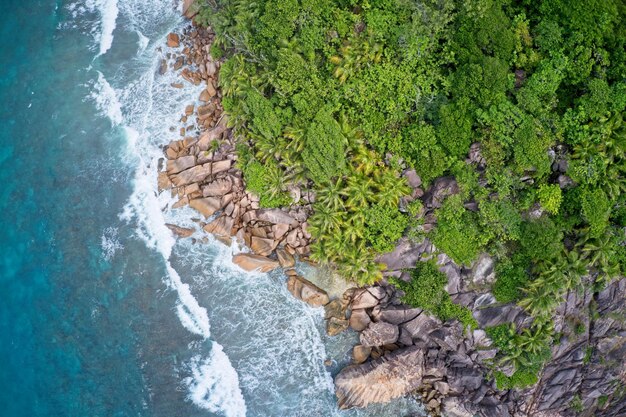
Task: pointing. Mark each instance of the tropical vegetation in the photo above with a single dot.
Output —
(341, 96)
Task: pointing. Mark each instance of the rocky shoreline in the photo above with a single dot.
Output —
(402, 350)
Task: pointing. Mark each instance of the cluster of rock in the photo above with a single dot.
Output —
(200, 169)
(405, 350)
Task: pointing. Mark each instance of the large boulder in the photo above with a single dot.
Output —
(398, 315)
(442, 188)
(420, 326)
(368, 297)
(405, 255)
(199, 173)
(180, 231)
(174, 166)
(483, 274)
(359, 320)
(335, 325)
(360, 353)
(251, 262)
(222, 226)
(306, 291)
(379, 334)
(276, 216)
(219, 187)
(262, 246)
(381, 380)
(206, 206)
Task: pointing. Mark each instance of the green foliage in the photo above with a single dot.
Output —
(384, 225)
(341, 96)
(596, 210)
(550, 197)
(512, 277)
(426, 290)
(541, 239)
(324, 154)
(265, 181)
(457, 233)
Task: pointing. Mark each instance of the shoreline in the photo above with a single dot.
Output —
(445, 364)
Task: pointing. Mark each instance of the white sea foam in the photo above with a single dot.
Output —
(146, 109)
(109, 12)
(106, 100)
(110, 243)
(208, 376)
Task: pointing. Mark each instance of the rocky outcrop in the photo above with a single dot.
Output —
(381, 380)
(306, 291)
(251, 262)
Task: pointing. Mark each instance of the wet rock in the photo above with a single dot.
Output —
(222, 226)
(359, 320)
(163, 181)
(180, 231)
(262, 246)
(335, 325)
(285, 259)
(206, 206)
(306, 291)
(173, 40)
(251, 262)
(379, 334)
(188, 11)
(380, 380)
(360, 353)
(335, 308)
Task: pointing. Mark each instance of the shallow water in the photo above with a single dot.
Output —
(102, 312)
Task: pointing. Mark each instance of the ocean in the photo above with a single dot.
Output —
(102, 311)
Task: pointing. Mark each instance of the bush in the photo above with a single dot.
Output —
(258, 179)
(550, 197)
(512, 277)
(426, 290)
(457, 233)
(384, 225)
(541, 239)
(596, 209)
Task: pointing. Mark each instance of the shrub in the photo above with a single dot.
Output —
(541, 239)
(258, 180)
(512, 277)
(384, 225)
(596, 209)
(426, 290)
(457, 233)
(550, 197)
(325, 152)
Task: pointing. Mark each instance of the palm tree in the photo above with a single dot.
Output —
(330, 194)
(359, 191)
(390, 188)
(324, 221)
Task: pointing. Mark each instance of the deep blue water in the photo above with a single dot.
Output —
(102, 313)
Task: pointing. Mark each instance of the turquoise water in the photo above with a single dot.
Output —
(102, 312)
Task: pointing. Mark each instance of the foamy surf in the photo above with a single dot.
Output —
(207, 377)
(146, 109)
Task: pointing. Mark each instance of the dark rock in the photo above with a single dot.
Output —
(398, 315)
(379, 334)
(359, 320)
(334, 326)
(442, 188)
